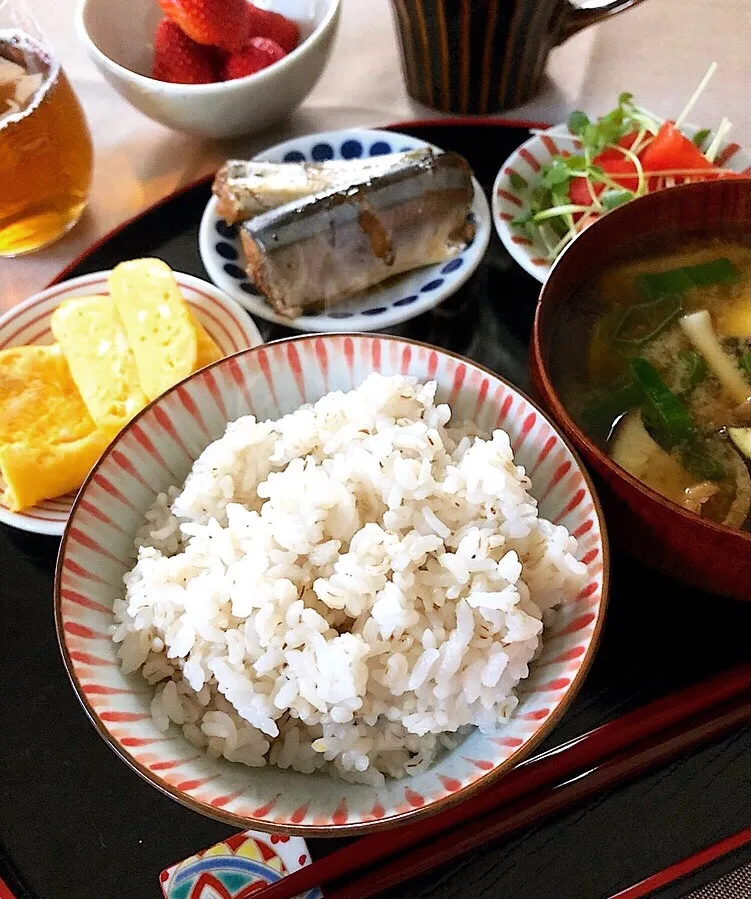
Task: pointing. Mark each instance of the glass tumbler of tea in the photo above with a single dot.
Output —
(46, 155)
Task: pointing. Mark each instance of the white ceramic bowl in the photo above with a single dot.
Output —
(119, 39)
(157, 449)
(511, 199)
(382, 306)
(230, 326)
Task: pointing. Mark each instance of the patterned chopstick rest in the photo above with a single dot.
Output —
(236, 867)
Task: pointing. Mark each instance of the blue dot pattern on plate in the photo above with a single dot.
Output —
(452, 266)
(226, 250)
(229, 232)
(406, 300)
(234, 271)
(322, 152)
(380, 148)
(351, 149)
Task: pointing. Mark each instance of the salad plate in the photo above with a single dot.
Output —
(563, 178)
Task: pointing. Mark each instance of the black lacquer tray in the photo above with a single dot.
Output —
(75, 823)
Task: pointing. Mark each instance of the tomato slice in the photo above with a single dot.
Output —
(617, 166)
(669, 150)
(621, 170)
(672, 150)
(627, 141)
(579, 192)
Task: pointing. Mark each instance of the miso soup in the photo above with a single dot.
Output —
(653, 361)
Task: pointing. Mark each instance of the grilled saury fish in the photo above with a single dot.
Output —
(245, 188)
(317, 251)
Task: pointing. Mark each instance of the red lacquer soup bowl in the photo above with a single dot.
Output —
(658, 532)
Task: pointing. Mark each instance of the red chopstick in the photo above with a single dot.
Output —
(546, 770)
(624, 766)
(686, 866)
(5, 892)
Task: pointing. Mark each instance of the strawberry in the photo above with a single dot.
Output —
(179, 59)
(266, 23)
(260, 53)
(219, 23)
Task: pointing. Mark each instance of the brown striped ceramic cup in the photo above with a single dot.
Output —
(483, 56)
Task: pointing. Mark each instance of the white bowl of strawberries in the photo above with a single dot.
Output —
(218, 68)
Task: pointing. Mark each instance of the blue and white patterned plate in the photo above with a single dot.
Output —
(394, 301)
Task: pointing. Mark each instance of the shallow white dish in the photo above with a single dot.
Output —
(119, 39)
(511, 201)
(29, 323)
(396, 300)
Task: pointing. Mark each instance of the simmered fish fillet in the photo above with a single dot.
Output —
(318, 251)
(244, 188)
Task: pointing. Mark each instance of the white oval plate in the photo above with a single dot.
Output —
(29, 323)
(384, 305)
(509, 201)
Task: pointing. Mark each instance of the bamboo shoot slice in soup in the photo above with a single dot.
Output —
(656, 369)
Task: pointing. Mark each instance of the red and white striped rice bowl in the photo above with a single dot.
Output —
(157, 450)
(511, 200)
(29, 323)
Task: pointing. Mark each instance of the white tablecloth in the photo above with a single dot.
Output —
(659, 51)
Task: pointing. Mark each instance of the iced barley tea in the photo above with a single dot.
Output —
(45, 147)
